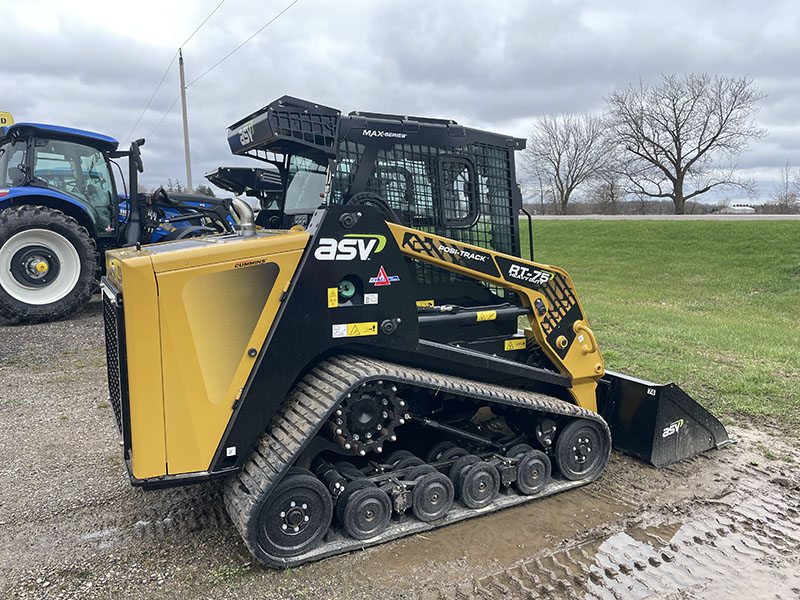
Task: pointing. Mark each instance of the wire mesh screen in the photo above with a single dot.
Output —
(462, 193)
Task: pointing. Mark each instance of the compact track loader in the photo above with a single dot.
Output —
(369, 379)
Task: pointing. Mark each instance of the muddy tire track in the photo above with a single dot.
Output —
(706, 548)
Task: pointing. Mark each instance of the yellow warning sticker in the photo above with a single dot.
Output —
(487, 315)
(333, 297)
(515, 344)
(343, 330)
(424, 302)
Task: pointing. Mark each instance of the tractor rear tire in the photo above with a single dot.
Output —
(48, 265)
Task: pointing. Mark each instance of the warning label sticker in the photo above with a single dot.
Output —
(515, 344)
(333, 297)
(424, 302)
(487, 315)
(343, 330)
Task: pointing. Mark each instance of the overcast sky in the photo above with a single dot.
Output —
(492, 65)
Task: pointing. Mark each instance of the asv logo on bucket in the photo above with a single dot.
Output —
(352, 247)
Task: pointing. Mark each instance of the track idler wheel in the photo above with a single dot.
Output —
(582, 450)
(478, 485)
(533, 473)
(365, 510)
(295, 517)
(432, 496)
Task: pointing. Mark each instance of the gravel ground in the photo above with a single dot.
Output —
(71, 526)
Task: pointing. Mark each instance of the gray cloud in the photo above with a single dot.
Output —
(489, 65)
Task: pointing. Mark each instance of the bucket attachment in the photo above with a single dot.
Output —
(661, 424)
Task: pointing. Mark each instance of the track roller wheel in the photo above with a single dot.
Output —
(397, 456)
(366, 512)
(582, 450)
(533, 473)
(349, 489)
(451, 454)
(460, 466)
(478, 485)
(409, 461)
(294, 517)
(432, 496)
(518, 450)
(420, 470)
(435, 453)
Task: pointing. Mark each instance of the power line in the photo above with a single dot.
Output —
(164, 76)
(211, 14)
(219, 62)
(169, 110)
(232, 52)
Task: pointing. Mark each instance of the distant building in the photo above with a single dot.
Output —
(740, 209)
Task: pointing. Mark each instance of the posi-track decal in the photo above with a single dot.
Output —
(469, 258)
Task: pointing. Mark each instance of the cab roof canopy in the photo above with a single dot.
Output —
(81, 136)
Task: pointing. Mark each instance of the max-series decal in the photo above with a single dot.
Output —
(469, 258)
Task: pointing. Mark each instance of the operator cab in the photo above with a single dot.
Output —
(65, 161)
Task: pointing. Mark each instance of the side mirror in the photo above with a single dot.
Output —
(136, 155)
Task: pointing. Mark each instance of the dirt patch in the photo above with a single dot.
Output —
(72, 527)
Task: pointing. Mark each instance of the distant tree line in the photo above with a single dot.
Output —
(654, 149)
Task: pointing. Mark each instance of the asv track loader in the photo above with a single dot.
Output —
(369, 380)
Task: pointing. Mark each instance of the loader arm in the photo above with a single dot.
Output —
(557, 321)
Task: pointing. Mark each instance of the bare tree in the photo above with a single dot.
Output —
(608, 188)
(684, 133)
(564, 152)
(786, 191)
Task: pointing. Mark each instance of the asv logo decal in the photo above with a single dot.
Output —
(355, 245)
(672, 428)
(247, 134)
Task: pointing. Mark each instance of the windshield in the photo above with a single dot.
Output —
(306, 184)
(12, 164)
(78, 170)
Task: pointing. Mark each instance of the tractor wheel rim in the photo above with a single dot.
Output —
(38, 266)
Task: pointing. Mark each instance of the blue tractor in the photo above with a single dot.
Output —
(60, 210)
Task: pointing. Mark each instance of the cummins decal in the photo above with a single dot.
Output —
(469, 258)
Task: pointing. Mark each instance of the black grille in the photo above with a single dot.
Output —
(115, 357)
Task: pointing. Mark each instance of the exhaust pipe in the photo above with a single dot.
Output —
(247, 218)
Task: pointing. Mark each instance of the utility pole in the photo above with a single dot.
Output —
(185, 124)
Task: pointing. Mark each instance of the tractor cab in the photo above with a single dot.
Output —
(70, 166)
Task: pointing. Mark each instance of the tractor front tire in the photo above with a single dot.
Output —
(48, 264)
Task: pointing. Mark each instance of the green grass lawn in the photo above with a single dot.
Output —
(711, 305)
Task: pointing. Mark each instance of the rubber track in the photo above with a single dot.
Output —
(310, 404)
